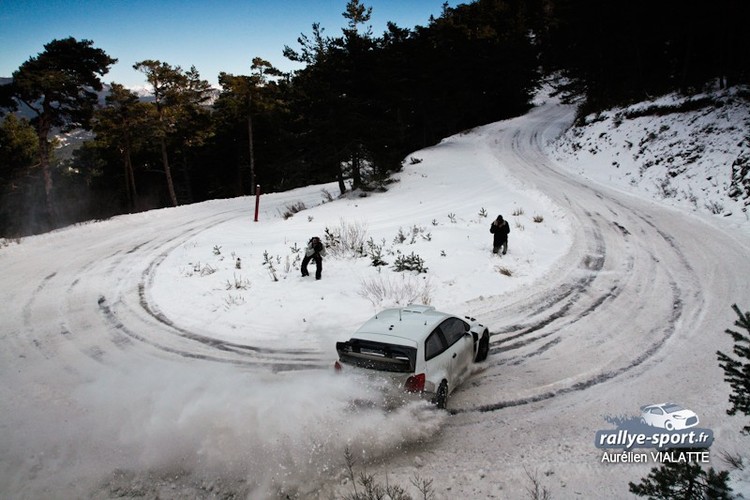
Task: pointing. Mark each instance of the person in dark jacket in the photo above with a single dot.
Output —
(315, 251)
(500, 230)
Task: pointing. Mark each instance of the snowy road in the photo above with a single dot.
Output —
(639, 278)
(632, 314)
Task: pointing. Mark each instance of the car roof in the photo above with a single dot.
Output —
(413, 322)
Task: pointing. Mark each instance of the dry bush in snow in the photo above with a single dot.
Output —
(399, 290)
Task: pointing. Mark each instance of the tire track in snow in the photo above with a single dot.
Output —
(131, 317)
(546, 318)
(662, 334)
(572, 299)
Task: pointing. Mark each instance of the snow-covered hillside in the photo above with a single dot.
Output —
(178, 353)
(691, 152)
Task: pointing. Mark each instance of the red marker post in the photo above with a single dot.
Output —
(257, 201)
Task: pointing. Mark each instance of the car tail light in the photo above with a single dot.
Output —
(337, 366)
(415, 383)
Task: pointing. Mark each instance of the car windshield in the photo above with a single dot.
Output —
(673, 408)
(377, 355)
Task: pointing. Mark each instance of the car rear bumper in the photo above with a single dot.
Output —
(390, 386)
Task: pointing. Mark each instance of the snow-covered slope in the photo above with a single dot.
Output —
(177, 353)
(691, 152)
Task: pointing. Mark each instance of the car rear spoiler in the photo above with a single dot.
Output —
(377, 355)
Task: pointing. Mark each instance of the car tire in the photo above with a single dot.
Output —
(441, 397)
(484, 347)
(669, 425)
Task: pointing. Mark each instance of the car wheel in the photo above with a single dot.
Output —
(669, 425)
(484, 347)
(441, 397)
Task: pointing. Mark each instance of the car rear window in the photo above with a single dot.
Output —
(377, 355)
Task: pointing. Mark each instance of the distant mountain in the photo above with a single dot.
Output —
(23, 110)
(142, 91)
(69, 141)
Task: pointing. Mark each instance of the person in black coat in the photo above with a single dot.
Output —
(500, 230)
(315, 251)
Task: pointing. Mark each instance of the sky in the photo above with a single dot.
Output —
(141, 359)
(213, 36)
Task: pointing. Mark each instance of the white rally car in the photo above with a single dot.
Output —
(419, 349)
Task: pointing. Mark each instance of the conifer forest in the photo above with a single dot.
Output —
(359, 104)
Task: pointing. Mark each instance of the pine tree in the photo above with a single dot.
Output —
(178, 100)
(683, 481)
(59, 85)
(736, 371)
(18, 147)
(688, 480)
(243, 98)
(18, 152)
(121, 126)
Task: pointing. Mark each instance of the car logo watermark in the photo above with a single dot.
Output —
(666, 431)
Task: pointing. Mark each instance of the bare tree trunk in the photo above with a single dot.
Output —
(340, 179)
(187, 190)
(168, 172)
(129, 176)
(43, 130)
(46, 172)
(128, 189)
(50, 205)
(239, 174)
(251, 151)
(356, 174)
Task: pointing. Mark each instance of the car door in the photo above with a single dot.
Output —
(437, 361)
(460, 350)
